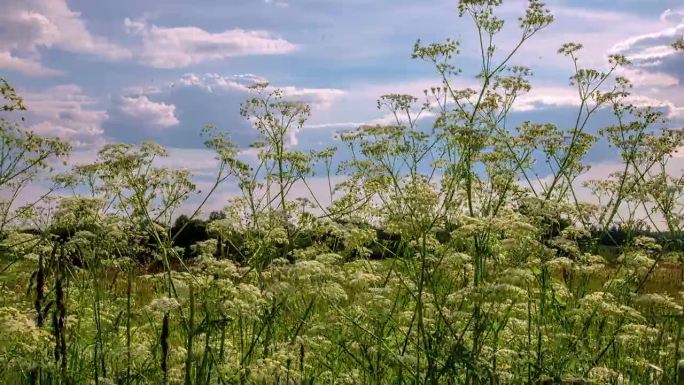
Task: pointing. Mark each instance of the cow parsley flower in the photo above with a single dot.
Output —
(163, 305)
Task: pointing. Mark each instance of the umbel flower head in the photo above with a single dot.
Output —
(163, 305)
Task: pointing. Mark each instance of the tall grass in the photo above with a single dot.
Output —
(452, 253)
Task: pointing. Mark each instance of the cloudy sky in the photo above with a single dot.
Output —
(94, 72)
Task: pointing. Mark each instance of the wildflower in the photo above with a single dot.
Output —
(209, 265)
(329, 258)
(333, 292)
(637, 333)
(359, 279)
(659, 303)
(647, 243)
(603, 374)
(206, 248)
(603, 302)
(163, 305)
(561, 263)
(504, 292)
(518, 277)
(307, 270)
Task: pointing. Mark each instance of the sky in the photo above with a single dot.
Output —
(96, 72)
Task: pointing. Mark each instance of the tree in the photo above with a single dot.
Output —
(216, 215)
(188, 232)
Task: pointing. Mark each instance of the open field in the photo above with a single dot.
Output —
(456, 239)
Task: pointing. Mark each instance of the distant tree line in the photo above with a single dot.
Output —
(190, 232)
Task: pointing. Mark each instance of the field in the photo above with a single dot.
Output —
(457, 252)
(324, 320)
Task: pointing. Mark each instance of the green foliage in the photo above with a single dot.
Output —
(459, 253)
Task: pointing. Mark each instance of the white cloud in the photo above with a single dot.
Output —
(594, 28)
(178, 47)
(196, 100)
(587, 14)
(372, 92)
(672, 16)
(642, 78)
(547, 96)
(657, 68)
(673, 111)
(319, 98)
(29, 25)
(568, 97)
(385, 120)
(25, 66)
(281, 4)
(142, 109)
(653, 54)
(65, 111)
(217, 83)
(650, 48)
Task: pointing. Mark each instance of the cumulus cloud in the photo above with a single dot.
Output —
(25, 66)
(178, 47)
(387, 119)
(657, 68)
(546, 97)
(216, 83)
(318, 98)
(541, 97)
(597, 33)
(147, 112)
(642, 78)
(672, 110)
(66, 112)
(196, 100)
(29, 25)
(653, 51)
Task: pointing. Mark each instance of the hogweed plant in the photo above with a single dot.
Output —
(458, 248)
(679, 44)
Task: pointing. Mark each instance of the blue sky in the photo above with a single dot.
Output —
(94, 72)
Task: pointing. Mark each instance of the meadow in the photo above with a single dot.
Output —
(458, 252)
